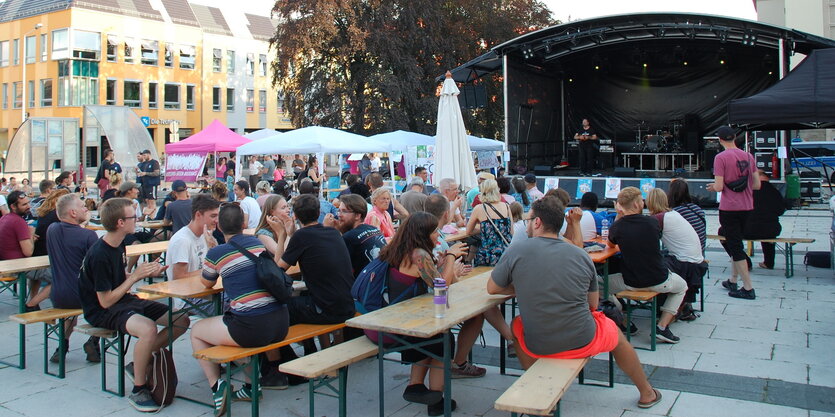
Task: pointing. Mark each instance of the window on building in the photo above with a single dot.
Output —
(262, 101)
(16, 52)
(150, 52)
(230, 99)
(169, 55)
(230, 62)
(280, 102)
(133, 93)
(17, 94)
(172, 96)
(217, 60)
(46, 92)
(31, 49)
(60, 44)
(63, 91)
(129, 50)
(44, 42)
(152, 95)
(262, 62)
(189, 97)
(30, 91)
(112, 48)
(250, 64)
(4, 54)
(78, 91)
(250, 100)
(111, 93)
(86, 45)
(5, 95)
(187, 57)
(215, 98)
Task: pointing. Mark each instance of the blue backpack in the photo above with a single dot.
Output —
(370, 289)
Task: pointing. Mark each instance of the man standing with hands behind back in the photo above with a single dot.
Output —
(735, 176)
(587, 138)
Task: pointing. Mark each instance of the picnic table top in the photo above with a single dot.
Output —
(416, 316)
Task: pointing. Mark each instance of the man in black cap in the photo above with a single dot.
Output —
(530, 183)
(149, 172)
(735, 174)
(178, 212)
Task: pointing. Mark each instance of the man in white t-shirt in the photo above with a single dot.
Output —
(188, 247)
(254, 169)
(252, 211)
(375, 162)
(4, 207)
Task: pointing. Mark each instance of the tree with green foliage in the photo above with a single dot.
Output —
(370, 66)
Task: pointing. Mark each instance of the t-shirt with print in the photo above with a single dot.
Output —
(731, 164)
(326, 267)
(179, 212)
(185, 247)
(638, 238)
(67, 244)
(246, 295)
(103, 270)
(552, 280)
(13, 229)
(364, 243)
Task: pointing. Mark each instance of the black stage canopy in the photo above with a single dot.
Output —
(631, 76)
(804, 99)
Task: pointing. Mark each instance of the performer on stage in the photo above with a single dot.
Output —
(587, 138)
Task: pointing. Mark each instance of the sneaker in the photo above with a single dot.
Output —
(418, 393)
(274, 380)
(142, 401)
(666, 335)
(467, 370)
(29, 309)
(744, 294)
(91, 348)
(687, 313)
(437, 409)
(55, 358)
(294, 380)
(219, 397)
(511, 350)
(244, 394)
(730, 286)
(129, 371)
(633, 329)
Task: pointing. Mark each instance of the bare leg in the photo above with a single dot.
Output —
(145, 330)
(666, 319)
(742, 268)
(495, 318)
(467, 337)
(436, 375)
(37, 297)
(34, 286)
(205, 334)
(629, 363)
(180, 326)
(418, 372)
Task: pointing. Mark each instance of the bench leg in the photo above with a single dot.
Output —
(789, 260)
(49, 330)
(255, 367)
(611, 370)
(381, 377)
(503, 344)
(628, 305)
(702, 290)
(119, 344)
(343, 394)
(654, 323)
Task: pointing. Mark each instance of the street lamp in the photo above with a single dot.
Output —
(24, 98)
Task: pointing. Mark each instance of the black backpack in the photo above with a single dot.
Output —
(818, 259)
(274, 279)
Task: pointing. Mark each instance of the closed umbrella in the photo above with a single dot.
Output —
(452, 150)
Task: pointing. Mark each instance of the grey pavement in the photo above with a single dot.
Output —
(769, 357)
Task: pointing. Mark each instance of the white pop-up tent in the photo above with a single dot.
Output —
(261, 134)
(400, 140)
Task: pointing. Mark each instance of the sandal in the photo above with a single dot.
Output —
(653, 402)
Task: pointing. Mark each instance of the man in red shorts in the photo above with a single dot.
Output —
(556, 285)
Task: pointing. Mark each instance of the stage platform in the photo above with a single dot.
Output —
(569, 180)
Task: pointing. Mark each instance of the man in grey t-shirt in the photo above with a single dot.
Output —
(178, 212)
(268, 169)
(556, 285)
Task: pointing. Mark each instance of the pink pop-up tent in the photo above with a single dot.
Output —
(185, 159)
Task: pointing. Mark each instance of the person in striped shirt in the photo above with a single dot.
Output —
(254, 317)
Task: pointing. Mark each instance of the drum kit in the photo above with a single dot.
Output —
(665, 138)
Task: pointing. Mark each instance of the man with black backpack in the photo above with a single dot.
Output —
(735, 175)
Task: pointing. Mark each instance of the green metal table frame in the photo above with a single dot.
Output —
(22, 294)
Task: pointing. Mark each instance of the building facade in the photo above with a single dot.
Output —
(173, 62)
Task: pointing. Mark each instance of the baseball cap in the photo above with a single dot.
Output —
(179, 185)
(725, 133)
(280, 186)
(530, 178)
(127, 186)
(146, 152)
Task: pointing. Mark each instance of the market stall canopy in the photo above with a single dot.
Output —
(214, 138)
(484, 144)
(804, 99)
(261, 134)
(400, 140)
(313, 139)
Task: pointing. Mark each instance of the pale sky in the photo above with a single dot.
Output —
(566, 10)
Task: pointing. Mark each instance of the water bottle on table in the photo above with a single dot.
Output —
(440, 297)
(604, 229)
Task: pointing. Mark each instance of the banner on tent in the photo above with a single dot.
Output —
(184, 166)
(420, 156)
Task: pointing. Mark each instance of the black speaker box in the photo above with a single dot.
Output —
(709, 154)
(624, 172)
(544, 170)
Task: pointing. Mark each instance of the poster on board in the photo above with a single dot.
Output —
(612, 188)
(647, 184)
(583, 186)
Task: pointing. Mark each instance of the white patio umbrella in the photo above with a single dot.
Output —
(452, 150)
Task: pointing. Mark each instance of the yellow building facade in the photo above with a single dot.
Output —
(179, 62)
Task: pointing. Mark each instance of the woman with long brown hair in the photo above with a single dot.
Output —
(410, 256)
(275, 206)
